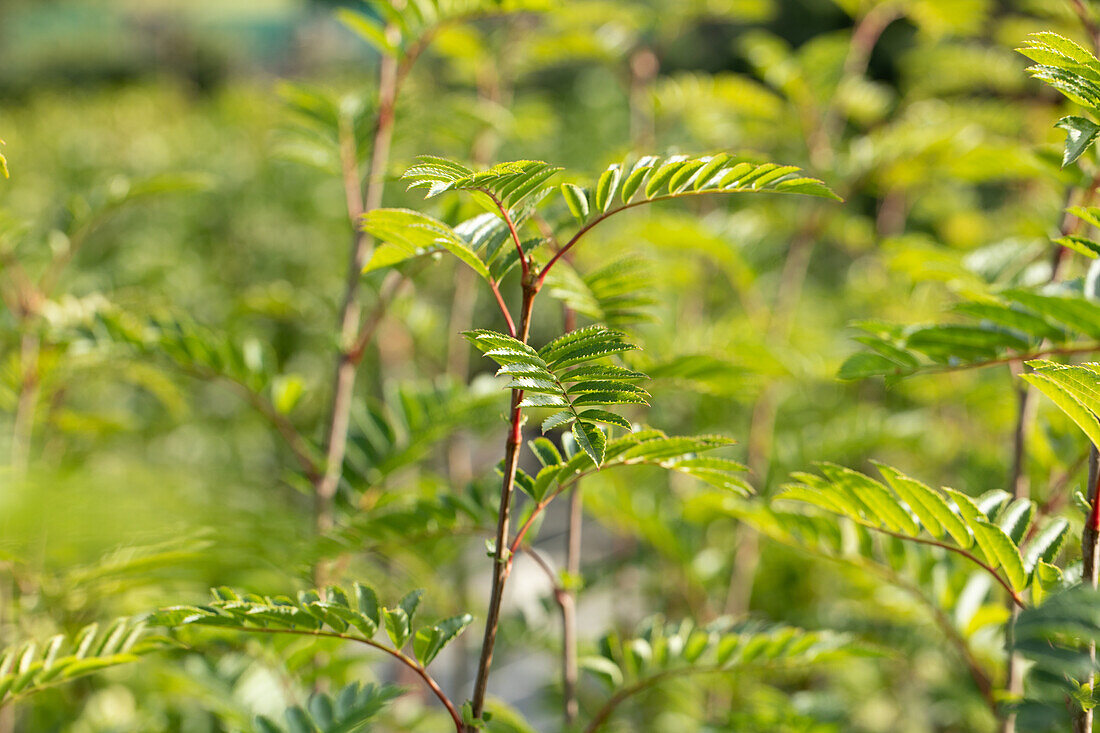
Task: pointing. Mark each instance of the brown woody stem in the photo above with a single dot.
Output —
(502, 555)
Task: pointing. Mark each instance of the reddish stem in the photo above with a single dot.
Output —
(397, 654)
(515, 234)
(502, 562)
(503, 307)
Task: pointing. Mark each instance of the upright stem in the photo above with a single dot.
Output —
(459, 467)
(1018, 485)
(346, 362)
(502, 557)
(567, 600)
(1090, 557)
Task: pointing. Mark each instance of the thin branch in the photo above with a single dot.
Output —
(298, 445)
(512, 229)
(409, 662)
(389, 79)
(1014, 357)
(495, 287)
(981, 679)
(544, 565)
(502, 563)
(391, 287)
(1019, 601)
(294, 440)
(608, 214)
(1087, 21)
(617, 699)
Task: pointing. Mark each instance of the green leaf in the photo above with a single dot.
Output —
(862, 365)
(591, 440)
(546, 452)
(27, 669)
(347, 711)
(1088, 214)
(1080, 134)
(608, 418)
(1050, 379)
(511, 183)
(1046, 544)
(558, 419)
(410, 603)
(429, 642)
(807, 187)
(577, 200)
(1081, 245)
(930, 507)
(637, 176)
(607, 186)
(999, 548)
(415, 234)
(877, 502)
(398, 625)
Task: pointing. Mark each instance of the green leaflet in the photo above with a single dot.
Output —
(607, 187)
(409, 24)
(576, 199)
(929, 506)
(27, 668)
(682, 454)
(1002, 552)
(1012, 324)
(664, 650)
(1064, 65)
(573, 359)
(591, 440)
(680, 175)
(348, 710)
(338, 612)
(431, 640)
(1090, 214)
(1073, 389)
(512, 183)
(990, 529)
(1080, 134)
(1055, 638)
(414, 234)
(368, 29)
(1046, 544)
(877, 503)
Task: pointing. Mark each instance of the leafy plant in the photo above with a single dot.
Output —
(351, 709)
(370, 456)
(30, 668)
(663, 651)
(994, 526)
(333, 614)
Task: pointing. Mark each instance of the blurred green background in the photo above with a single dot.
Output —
(142, 483)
